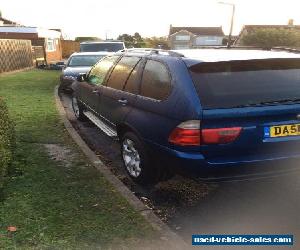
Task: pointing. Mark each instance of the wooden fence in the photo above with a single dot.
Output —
(15, 55)
(69, 47)
(39, 55)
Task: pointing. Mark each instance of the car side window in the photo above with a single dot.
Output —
(122, 71)
(156, 82)
(132, 84)
(100, 70)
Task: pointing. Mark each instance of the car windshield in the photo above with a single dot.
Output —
(109, 47)
(247, 83)
(84, 60)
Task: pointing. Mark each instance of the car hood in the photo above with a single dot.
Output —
(75, 71)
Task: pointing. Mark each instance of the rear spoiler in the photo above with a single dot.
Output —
(244, 65)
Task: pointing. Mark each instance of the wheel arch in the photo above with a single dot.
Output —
(124, 127)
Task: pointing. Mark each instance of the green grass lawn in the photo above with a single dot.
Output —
(53, 203)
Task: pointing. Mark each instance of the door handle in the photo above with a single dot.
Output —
(123, 101)
(95, 91)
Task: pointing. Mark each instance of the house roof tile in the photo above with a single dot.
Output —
(204, 31)
(252, 27)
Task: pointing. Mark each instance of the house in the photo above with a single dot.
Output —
(193, 37)
(247, 29)
(49, 40)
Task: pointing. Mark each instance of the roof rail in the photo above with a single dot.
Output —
(286, 49)
(154, 51)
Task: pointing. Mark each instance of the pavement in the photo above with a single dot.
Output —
(261, 206)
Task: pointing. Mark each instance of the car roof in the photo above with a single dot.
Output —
(91, 42)
(195, 56)
(221, 55)
(98, 53)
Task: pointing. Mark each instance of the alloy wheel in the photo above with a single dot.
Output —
(131, 158)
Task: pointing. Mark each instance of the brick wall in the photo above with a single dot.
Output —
(15, 55)
(54, 56)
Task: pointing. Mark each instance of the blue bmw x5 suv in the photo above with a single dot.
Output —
(210, 113)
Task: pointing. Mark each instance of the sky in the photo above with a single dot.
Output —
(150, 18)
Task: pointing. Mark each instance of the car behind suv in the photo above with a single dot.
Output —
(78, 63)
(203, 112)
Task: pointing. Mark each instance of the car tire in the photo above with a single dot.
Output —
(136, 160)
(78, 109)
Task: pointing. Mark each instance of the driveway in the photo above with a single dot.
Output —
(262, 206)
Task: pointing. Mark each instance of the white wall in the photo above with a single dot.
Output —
(208, 40)
(181, 46)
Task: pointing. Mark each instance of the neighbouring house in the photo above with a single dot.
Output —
(247, 29)
(194, 37)
(48, 40)
(4, 21)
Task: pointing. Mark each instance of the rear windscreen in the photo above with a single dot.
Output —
(94, 47)
(246, 83)
(84, 60)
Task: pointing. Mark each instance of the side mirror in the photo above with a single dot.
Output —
(82, 77)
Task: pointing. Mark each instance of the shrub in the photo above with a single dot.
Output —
(268, 38)
(7, 140)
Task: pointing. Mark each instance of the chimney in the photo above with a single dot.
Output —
(291, 22)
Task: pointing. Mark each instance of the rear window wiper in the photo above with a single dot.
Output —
(282, 101)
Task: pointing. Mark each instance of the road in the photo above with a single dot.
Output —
(263, 206)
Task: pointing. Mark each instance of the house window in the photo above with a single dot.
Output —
(50, 44)
(183, 38)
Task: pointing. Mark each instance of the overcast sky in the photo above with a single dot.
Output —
(149, 18)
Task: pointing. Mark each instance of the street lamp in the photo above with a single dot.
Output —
(231, 24)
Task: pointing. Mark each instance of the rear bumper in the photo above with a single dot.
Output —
(195, 165)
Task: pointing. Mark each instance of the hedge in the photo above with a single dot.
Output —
(7, 140)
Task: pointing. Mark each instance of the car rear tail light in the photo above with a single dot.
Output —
(189, 134)
(186, 134)
(220, 135)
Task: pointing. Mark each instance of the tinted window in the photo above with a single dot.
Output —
(121, 72)
(156, 80)
(109, 47)
(132, 84)
(99, 71)
(244, 83)
(86, 60)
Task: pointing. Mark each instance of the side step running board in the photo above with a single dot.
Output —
(100, 124)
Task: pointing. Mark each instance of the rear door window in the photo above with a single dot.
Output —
(247, 83)
(122, 71)
(156, 82)
(132, 84)
(100, 70)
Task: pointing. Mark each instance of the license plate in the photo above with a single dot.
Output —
(282, 130)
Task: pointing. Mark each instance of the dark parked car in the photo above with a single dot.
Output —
(78, 63)
(210, 113)
(111, 46)
(57, 66)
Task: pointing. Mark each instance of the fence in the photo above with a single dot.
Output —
(15, 55)
(69, 47)
(38, 53)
